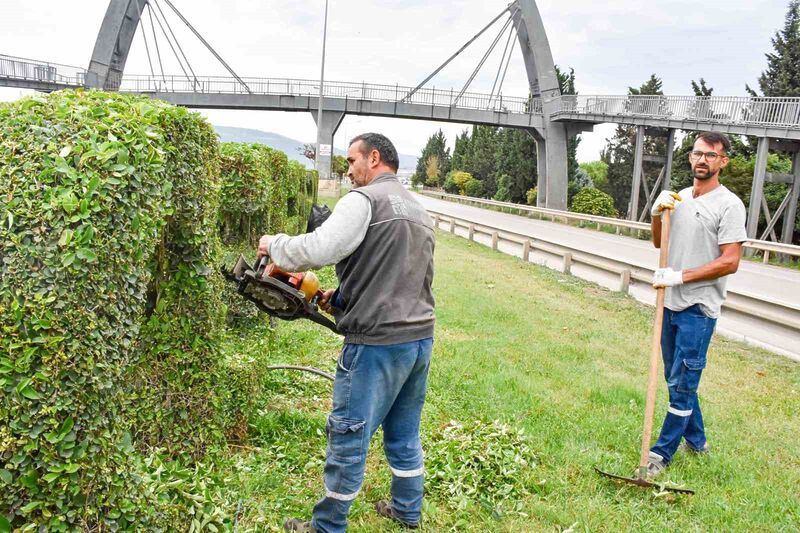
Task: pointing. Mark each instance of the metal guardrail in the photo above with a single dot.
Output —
(331, 89)
(755, 306)
(19, 68)
(766, 247)
(735, 110)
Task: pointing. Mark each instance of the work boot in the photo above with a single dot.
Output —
(699, 451)
(655, 465)
(295, 524)
(386, 510)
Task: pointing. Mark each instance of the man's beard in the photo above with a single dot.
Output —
(703, 177)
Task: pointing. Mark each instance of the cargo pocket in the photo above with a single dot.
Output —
(690, 374)
(345, 438)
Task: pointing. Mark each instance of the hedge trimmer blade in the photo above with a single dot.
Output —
(273, 296)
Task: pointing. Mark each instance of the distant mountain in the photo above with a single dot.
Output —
(287, 145)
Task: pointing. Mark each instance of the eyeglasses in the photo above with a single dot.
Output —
(710, 156)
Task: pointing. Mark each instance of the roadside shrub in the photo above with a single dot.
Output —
(478, 462)
(450, 185)
(504, 184)
(531, 195)
(109, 307)
(592, 201)
(473, 188)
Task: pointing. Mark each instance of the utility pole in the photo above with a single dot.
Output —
(324, 151)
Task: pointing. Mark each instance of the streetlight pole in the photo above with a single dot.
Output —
(322, 172)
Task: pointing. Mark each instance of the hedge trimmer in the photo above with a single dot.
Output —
(284, 295)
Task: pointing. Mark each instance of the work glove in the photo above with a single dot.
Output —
(666, 277)
(665, 200)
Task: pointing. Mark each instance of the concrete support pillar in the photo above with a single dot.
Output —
(331, 120)
(556, 165)
(791, 209)
(667, 183)
(757, 192)
(633, 212)
(541, 170)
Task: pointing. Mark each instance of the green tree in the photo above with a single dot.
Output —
(504, 185)
(782, 77)
(618, 153)
(598, 172)
(461, 151)
(339, 165)
(515, 158)
(566, 81)
(480, 160)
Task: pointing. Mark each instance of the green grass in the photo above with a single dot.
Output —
(564, 361)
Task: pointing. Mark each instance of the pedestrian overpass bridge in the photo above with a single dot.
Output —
(550, 117)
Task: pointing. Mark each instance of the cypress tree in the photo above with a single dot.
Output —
(782, 77)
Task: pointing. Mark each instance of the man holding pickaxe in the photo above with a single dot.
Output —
(705, 245)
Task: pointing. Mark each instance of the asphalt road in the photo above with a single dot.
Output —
(781, 285)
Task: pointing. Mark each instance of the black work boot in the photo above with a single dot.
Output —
(386, 510)
(295, 524)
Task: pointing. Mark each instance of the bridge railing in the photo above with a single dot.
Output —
(41, 71)
(762, 111)
(332, 89)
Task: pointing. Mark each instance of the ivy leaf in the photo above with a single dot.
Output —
(65, 151)
(69, 202)
(6, 477)
(5, 525)
(66, 236)
(87, 255)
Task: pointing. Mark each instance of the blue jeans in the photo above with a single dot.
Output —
(684, 342)
(375, 386)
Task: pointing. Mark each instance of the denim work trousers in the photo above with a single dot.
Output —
(684, 342)
(375, 385)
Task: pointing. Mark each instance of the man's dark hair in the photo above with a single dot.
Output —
(376, 141)
(712, 137)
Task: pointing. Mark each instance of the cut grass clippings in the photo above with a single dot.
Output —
(565, 363)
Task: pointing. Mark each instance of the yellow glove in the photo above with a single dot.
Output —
(665, 200)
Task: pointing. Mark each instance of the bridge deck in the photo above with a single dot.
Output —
(777, 118)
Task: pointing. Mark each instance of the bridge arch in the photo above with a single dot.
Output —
(551, 139)
(113, 44)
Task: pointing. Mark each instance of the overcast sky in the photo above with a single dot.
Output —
(611, 45)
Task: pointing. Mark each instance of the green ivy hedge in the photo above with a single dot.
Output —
(300, 196)
(262, 192)
(109, 307)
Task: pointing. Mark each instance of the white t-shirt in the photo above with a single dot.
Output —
(698, 227)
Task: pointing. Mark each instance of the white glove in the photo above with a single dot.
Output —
(666, 277)
(665, 200)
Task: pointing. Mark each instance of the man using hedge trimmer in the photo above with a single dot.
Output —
(705, 244)
(381, 241)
